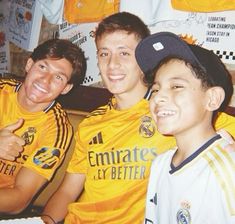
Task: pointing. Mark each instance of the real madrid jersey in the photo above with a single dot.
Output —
(200, 190)
(115, 150)
(47, 135)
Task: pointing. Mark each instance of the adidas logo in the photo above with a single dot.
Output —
(96, 139)
(154, 199)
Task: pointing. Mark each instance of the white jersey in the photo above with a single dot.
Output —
(201, 190)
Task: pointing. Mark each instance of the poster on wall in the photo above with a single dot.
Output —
(83, 36)
(4, 43)
(214, 30)
(24, 23)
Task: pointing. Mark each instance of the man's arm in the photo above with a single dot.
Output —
(57, 206)
(14, 200)
(10, 144)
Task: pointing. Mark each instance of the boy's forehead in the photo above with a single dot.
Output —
(174, 68)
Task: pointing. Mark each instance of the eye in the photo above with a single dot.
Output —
(42, 66)
(102, 54)
(177, 86)
(59, 77)
(154, 92)
(124, 53)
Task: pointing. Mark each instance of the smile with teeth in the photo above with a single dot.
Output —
(39, 88)
(116, 77)
(164, 113)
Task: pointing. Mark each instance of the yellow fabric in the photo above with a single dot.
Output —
(117, 170)
(226, 122)
(115, 149)
(80, 11)
(47, 136)
(203, 6)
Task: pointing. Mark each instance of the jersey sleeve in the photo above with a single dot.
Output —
(53, 142)
(78, 162)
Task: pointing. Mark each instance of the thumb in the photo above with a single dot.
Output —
(15, 126)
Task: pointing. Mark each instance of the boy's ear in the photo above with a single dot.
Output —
(29, 64)
(67, 88)
(216, 97)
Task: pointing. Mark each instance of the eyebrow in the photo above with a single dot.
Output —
(57, 71)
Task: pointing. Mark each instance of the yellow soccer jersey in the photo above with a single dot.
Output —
(203, 6)
(80, 11)
(226, 122)
(115, 150)
(47, 135)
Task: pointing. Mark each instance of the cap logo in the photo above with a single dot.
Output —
(158, 46)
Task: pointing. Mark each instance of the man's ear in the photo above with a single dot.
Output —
(215, 97)
(67, 88)
(29, 64)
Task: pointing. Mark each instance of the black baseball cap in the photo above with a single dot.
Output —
(153, 49)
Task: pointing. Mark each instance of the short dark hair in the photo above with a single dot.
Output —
(122, 21)
(61, 48)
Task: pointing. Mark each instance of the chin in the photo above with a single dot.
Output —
(165, 131)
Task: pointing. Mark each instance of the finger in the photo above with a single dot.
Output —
(225, 135)
(230, 147)
(9, 157)
(15, 126)
(14, 149)
(20, 141)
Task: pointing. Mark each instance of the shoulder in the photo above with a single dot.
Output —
(226, 122)
(57, 116)
(96, 115)
(219, 158)
(9, 84)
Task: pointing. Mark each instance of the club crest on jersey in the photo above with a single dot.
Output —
(46, 157)
(28, 135)
(146, 128)
(183, 215)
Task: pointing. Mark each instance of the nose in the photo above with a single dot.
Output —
(114, 61)
(46, 77)
(159, 97)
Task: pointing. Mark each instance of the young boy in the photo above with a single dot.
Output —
(195, 182)
(35, 132)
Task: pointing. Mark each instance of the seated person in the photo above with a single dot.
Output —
(34, 129)
(195, 182)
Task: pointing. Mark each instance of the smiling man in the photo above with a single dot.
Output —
(34, 129)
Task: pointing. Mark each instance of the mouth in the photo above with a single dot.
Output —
(116, 77)
(165, 113)
(39, 88)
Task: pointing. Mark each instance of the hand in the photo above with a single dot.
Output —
(47, 219)
(10, 144)
(225, 135)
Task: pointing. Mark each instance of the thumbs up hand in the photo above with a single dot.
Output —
(10, 144)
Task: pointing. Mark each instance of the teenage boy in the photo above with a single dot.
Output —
(39, 132)
(117, 143)
(195, 182)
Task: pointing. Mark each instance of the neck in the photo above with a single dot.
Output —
(187, 146)
(126, 100)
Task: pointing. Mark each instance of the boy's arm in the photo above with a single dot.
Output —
(14, 200)
(57, 206)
